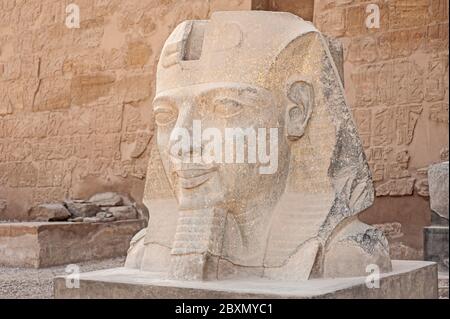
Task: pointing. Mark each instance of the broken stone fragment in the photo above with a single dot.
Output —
(421, 185)
(104, 215)
(90, 219)
(123, 212)
(78, 209)
(107, 199)
(49, 212)
(98, 219)
(396, 187)
(438, 188)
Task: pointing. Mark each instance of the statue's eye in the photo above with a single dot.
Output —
(227, 107)
(164, 116)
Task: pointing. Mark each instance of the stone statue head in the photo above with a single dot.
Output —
(257, 169)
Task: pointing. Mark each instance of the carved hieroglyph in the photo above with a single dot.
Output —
(257, 70)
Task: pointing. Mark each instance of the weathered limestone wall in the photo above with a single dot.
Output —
(75, 115)
(302, 8)
(396, 79)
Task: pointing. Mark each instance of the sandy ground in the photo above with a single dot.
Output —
(22, 283)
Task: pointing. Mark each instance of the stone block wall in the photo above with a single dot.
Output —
(75, 104)
(396, 79)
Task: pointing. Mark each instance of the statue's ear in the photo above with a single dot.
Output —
(300, 95)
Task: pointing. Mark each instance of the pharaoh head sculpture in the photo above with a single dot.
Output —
(285, 205)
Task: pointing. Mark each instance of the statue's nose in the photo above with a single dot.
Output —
(185, 116)
(183, 145)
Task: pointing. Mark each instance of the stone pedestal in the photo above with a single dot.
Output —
(436, 246)
(408, 279)
(436, 249)
(443, 285)
(45, 244)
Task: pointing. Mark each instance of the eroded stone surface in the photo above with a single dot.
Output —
(231, 221)
(82, 209)
(106, 199)
(438, 184)
(44, 244)
(123, 212)
(396, 81)
(436, 239)
(49, 212)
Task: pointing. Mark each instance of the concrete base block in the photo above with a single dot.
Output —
(443, 285)
(45, 244)
(435, 246)
(408, 279)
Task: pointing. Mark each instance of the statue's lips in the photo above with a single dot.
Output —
(191, 178)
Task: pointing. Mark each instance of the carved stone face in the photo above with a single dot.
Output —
(220, 106)
(254, 71)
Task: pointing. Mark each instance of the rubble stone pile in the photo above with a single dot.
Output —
(102, 207)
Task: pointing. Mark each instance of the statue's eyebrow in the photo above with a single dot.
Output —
(235, 89)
